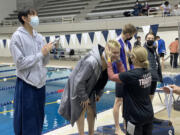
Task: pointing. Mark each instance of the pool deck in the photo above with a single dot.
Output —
(106, 117)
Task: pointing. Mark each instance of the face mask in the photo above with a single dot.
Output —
(34, 21)
(150, 42)
(128, 39)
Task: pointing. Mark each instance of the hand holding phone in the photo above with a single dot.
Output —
(56, 41)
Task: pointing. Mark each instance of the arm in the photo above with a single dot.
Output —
(111, 75)
(120, 67)
(23, 62)
(177, 91)
(46, 60)
(47, 57)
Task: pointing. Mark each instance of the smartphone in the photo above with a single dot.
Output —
(56, 41)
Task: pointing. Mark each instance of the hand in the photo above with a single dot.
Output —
(175, 88)
(108, 52)
(46, 48)
(97, 98)
(85, 103)
(166, 90)
(44, 51)
(49, 46)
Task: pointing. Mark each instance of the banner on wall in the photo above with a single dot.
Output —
(118, 32)
(98, 36)
(57, 36)
(135, 36)
(67, 38)
(91, 35)
(146, 29)
(73, 38)
(154, 28)
(79, 36)
(105, 34)
(112, 34)
(4, 42)
(47, 39)
(84, 37)
(62, 40)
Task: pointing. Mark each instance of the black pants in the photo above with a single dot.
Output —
(174, 60)
(145, 129)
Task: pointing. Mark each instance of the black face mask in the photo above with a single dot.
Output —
(130, 61)
(128, 39)
(150, 42)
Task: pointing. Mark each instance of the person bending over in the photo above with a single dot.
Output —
(85, 86)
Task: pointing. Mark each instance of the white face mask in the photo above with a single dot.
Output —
(34, 21)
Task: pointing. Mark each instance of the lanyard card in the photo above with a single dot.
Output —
(130, 128)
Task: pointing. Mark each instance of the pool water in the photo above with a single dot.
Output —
(52, 119)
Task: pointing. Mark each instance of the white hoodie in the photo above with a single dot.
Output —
(28, 58)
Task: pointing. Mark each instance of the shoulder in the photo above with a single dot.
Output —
(162, 5)
(90, 62)
(39, 36)
(16, 34)
(15, 38)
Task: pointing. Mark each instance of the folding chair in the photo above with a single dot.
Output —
(177, 80)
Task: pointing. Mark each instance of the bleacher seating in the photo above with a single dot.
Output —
(54, 10)
(116, 8)
(68, 10)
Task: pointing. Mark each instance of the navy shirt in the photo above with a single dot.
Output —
(137, 106)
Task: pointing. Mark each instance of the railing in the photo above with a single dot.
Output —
(67, 19)
(56, 19)
(157, 12)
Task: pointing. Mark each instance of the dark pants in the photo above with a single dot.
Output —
(29, 104)
(174, 60)
(145, 129)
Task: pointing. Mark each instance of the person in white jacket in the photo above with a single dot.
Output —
(30, 55)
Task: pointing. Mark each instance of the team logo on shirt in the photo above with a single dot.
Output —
(145, 81)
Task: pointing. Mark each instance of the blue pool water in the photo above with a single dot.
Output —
(52, 119)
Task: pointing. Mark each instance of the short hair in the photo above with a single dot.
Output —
(138, 37)
(113, 43)
(157, 37)
(25, 13)
(176, 38)
(150, 33)
(129, 28)
(166, 3)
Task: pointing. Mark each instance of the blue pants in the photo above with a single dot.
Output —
(29, 103)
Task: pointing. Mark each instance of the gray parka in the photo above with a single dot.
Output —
(80, 85)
